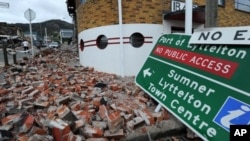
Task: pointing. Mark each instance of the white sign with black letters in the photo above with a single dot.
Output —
(178, 5)
(223, 35)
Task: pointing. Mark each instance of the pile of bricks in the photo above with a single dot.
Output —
(52, 98)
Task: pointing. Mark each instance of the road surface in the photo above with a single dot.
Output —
(19, 56)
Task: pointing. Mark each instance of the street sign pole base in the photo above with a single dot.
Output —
(158, 108)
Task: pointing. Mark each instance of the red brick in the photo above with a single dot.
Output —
(141, 98)
(67, 137)
(91, 81)
(28, 123)
(132, 104)
(124, 108)
(127, 91)
(18, 90)
(117, 135)
(83, 115)
(3, 91)
(77, 138)
(39, 87)
(62, 100)
(78, 124)
(42, 104)
(165, 114)
(99, 124)
(147, 116)
(103, 112)
(93, 132)
(114, 87)
(60, 129)
(66, 130)
(77, 106)
(72, 137)
(57, 134)
(23, 138)
(33, 93)
(158, 116)
(114, 116)
(127, 117)
(51, 115)
(115, 122)
(97, 139)
(62, 111)
(10, 118)
(134, 123)
(96, 101)
(28, 90)
(64, 91)
(22, 101)
(71, 89)
(38, 130)
(78, 88)
(46, 92)
(6, 127)
(72, 82)
(39, 119)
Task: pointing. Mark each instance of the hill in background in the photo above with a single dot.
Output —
(53, 27)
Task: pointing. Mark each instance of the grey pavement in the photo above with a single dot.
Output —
(19, 56)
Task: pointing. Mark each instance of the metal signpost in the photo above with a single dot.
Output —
(6, 62)
(30, 15)
(204, 86)
(4, 5)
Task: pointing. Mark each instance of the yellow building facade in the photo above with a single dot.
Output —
(94, 13)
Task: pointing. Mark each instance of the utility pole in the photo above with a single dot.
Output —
(188, 17)
(14, 55)
(5, 56)
(4, 5)
(46, 38)
(6, 62)
(211, 13)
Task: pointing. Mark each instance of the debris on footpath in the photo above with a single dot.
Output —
(51, 97)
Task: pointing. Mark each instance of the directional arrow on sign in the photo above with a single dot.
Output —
(147, 72)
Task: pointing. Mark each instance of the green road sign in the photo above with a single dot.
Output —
(205, 86)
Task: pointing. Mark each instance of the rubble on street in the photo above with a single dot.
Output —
(53, 98)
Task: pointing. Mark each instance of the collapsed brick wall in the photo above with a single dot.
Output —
(52, 97)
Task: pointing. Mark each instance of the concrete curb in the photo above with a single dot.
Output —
(166, 128)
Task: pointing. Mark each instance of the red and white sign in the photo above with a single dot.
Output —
(217, 66)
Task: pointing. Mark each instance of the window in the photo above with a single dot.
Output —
(243, 5)
(81, 45)
(136, 40)
(221, 3)
(83, 1)
(175, 29)
(102, 42)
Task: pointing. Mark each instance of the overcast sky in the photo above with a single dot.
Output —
(44, 10)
